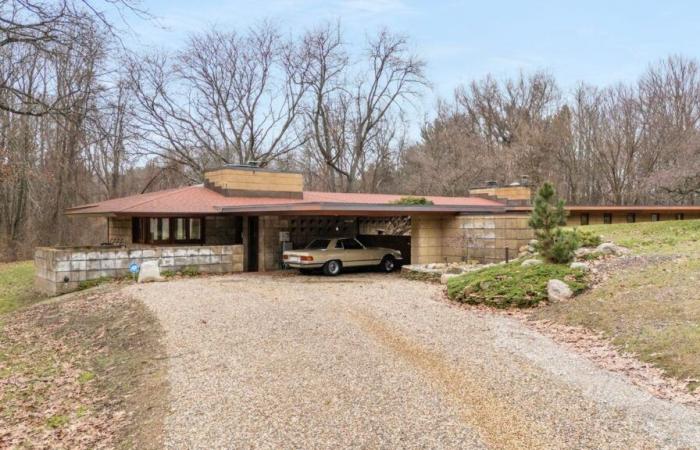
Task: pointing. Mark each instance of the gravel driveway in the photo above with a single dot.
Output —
(371, 360)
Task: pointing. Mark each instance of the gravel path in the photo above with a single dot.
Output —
(370, 360)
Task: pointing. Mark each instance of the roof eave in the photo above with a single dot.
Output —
(355, 208)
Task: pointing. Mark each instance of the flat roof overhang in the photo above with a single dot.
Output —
(360, 209)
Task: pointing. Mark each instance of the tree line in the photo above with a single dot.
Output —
(84, 118)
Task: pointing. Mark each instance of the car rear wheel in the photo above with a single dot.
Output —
(388, 264)
(332, 268)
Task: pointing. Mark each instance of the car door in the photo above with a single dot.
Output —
(352, 252)
(356, 253)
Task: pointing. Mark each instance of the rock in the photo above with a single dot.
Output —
(579, 266)
(484, 285)
(445, 277)
(581, 252)
(454, 270)
(531, 262)
(558, 291)
(608, 248)
(524, 248)
(149, 271)
(533, 243)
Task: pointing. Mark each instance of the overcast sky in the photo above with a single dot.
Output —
(601, 42)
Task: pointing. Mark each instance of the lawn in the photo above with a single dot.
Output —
(651, 309)
(17, 286)
(676, 237)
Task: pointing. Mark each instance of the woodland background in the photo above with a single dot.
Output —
(84, 118)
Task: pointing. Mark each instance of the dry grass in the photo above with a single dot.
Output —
(677, 237)
(652, 312)
(82, 372)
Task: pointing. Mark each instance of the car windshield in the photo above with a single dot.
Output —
(318, 244)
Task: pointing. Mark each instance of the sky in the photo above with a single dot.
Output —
(599, 42)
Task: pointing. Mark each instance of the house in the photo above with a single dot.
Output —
(243, 216)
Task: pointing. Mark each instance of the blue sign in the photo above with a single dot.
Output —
(134, 268)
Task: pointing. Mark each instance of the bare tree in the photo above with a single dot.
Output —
(225, 98)
(352, 108)
(32, 31)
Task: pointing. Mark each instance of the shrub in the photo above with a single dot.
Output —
(587, 238)
(87, 284)
(412, 201)
(564, 245)
(506, 285)
(190, 271)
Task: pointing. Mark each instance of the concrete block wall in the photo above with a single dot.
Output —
(485, 237)
(61, 270)
(468, 237)
(426, 240)
(269, 246)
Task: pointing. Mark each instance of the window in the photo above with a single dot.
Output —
(318, 244)
(180, 230)
(607, 218)
(167, 230)
(351, 244)
(159, 229)
(655, 217)
(631, 218)
(679, 216)
(195, 229)
(584, 219)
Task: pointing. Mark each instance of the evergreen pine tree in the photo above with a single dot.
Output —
(547, 216)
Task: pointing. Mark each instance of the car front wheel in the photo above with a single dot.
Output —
(388, 264)
(332, 268)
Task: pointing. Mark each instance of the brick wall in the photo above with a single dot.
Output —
(60, 270)
(120, 230)
(223, 230)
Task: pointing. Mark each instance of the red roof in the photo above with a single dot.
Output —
(200, 200)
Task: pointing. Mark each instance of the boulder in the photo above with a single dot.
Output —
(581, 252)
(533, 243)
(580, 266)
(558, 291)
(149, 271)
(608, 248)
(445, 277)
(531, 262)
(454, 270)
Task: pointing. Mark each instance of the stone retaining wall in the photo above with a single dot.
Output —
(60, 270)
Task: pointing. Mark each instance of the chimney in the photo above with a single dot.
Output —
(516, 194)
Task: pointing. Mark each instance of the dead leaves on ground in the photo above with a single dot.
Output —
(55, 364)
